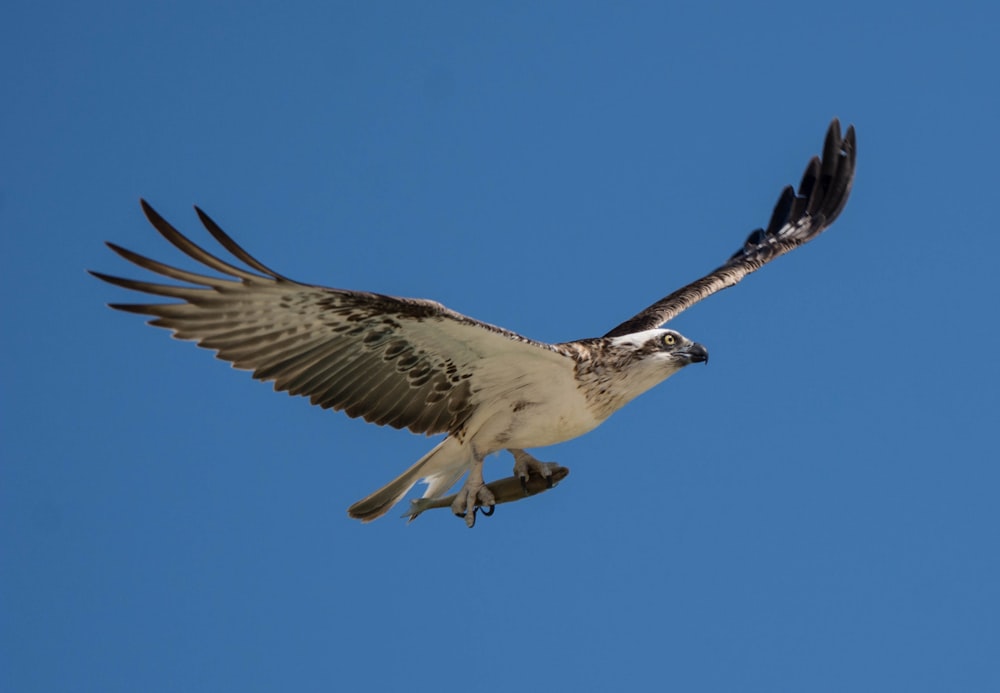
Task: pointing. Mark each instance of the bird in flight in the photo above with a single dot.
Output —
(415, 364)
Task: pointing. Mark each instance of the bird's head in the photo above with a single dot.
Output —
(661, 348)
(624, 367)
(649, 357)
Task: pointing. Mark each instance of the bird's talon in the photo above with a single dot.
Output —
(471, 499)
(487, 509)
(526, 466)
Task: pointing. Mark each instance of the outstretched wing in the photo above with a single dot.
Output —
(402, 362)
(797, 218)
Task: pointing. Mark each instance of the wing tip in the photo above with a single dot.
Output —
(151, 214)
(136, 308)
(795, 219)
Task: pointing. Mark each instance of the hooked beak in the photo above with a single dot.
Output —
(694, 353)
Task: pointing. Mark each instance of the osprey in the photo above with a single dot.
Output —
(415, 364)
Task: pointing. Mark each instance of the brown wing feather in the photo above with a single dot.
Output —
(407, 363)
(797, 219)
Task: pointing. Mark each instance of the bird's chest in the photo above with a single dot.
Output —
(526, 418)
(551, 423)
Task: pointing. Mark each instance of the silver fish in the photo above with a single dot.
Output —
(504, 490)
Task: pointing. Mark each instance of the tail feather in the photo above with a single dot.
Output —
(440, 483)
(445, 462)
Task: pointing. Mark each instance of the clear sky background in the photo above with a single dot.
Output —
(814, 510)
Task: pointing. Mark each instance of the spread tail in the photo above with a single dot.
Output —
(444, 464)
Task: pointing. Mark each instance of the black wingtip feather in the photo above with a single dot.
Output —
(137, 308)
(809, 192)
(151, 214)
(109, 278)
(843, 179)
(233, 247)
(780, 214)
(190, 248)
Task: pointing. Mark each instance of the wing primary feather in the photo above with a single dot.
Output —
(191, 249)
(138, 308)
(188, 293)
(832, 149)
(809, 196)
(844, 178)
(779, 217)
(168, 270)
(235, 248)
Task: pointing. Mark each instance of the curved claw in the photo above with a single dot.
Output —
(526, 467)
(470, 518)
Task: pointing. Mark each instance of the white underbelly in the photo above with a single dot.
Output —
(526, 424)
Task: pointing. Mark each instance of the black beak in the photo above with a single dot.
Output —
(695, 353)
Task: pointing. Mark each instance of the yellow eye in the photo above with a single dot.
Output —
(669, 339)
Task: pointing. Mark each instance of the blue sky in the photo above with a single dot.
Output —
(815, 510)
